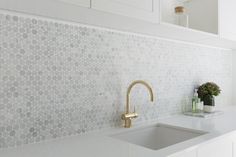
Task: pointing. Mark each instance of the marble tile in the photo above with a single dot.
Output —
(58, 79)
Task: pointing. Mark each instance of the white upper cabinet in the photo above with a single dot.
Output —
(227, 19)
(70, 10)
(82, 3)
(140, 9)
(60, 9)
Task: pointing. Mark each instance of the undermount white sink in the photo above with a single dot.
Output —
(159, 136)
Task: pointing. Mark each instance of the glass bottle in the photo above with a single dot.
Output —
(181, 18)
(195, 101)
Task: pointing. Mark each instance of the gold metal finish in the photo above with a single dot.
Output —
(179, 9)
(127, 116)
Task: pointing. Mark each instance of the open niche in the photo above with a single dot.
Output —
(194, 14)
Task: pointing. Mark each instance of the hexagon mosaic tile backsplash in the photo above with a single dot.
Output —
(59, 79)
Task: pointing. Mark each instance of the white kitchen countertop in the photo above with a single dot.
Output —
(100, 144)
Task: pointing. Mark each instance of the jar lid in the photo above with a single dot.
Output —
(179, 9)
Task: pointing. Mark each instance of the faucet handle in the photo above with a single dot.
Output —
(134, 113)
(127, 118)
(129, 115)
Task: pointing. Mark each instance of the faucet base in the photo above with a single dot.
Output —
(127, 117)
(128, 123)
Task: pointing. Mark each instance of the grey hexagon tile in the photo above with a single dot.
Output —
(59, 79)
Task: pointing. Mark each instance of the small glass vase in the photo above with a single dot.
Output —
(181, 17)
(209, 103)
(209, 100)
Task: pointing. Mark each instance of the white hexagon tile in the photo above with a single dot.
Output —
(59, 79)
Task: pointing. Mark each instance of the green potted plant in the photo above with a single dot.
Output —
(207, 93)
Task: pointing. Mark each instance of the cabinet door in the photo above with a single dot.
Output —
(234, 148)
(140, 9)
(234, 145)
(227, 20)
(72, 10)
(186, 153)
(83, 3)
(216, 148)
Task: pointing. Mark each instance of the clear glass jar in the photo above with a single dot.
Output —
(181, 18)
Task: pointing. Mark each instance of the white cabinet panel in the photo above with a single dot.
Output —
(186, 153)
(74, 10)
(227, 19)
(216, 148)
(140, 9)
(234, 148)
(83, 3)
(234, 143)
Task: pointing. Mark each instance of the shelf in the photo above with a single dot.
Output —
(179, 33)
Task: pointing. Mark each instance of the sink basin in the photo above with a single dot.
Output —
(159, 136)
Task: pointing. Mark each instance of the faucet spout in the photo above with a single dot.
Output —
(127, 116)
(129, 91)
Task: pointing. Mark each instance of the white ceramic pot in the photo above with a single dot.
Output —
(209, 109)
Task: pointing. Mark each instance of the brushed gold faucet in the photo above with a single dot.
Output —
(128, 116)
